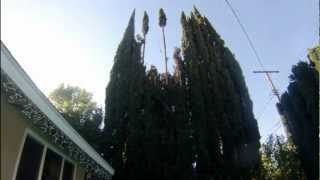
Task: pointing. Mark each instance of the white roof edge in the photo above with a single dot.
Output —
(12, 68)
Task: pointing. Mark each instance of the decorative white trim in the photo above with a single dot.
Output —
(43, 157)
(46, 146)
(75, 172)
(45, 143)
(15, 171)
(61, 169)
(20, 78)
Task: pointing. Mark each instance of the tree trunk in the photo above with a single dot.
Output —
(144, 47)
(165, 55)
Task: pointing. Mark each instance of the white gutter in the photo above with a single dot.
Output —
(11, 67)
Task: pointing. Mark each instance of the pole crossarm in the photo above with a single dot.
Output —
(273, 87)
(266, 71)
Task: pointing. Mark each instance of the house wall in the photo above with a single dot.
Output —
(12, 133)
(13, 128)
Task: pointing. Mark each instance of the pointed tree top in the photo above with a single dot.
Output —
(183, 19)
(162, 18)
(192, 16)
(131, 21)
(196, 14)
(195, 10)
(129, 33)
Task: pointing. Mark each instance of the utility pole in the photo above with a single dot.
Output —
(275, 91)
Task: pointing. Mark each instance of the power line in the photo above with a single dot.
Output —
(274, 129)
(274, 89)
(246, 33)
(275, 126)
(264, 107)
(267, 73)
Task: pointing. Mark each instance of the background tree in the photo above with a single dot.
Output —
(300, 105)
(73, 101)
(314, 57)
(145, 29)
(78, 108)
(162, 24)
(280, 160)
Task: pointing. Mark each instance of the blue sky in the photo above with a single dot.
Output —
(75, 41)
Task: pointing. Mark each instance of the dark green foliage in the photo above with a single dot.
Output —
(220, 104)
(125, 86)
(280, 160)
(300, 106)
(158, 126)
(145, 23)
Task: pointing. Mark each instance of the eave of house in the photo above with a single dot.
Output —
(22, 92)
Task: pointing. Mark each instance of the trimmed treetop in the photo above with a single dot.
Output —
(162, 18)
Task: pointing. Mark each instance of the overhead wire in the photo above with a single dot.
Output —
(275, 128)
(274, 89)
(264, 107)
(276, 92)
(246, 34)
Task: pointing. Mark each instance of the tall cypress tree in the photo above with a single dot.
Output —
(121, 95)
(220, 105)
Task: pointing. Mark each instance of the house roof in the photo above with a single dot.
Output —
(22, 91)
